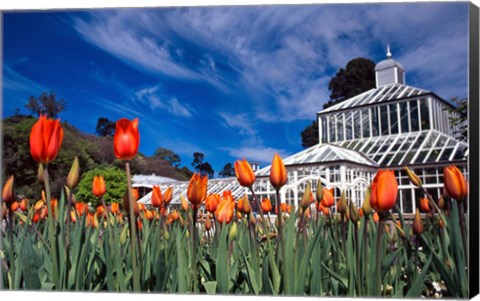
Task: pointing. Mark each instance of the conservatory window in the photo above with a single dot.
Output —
(357, 125)
(404, 117)
(324, 129)
(375, 129)
(349, 125)
(424, 114)
(384, 119)
(331, 128)
(340, 124)
(393, 119)
(365, 123)
(414, 122)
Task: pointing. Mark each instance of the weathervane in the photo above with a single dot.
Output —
(389, 54)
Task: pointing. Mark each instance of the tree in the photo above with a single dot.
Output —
(459, 118)
(227, 171)
(46, 104)
(310, 135)
(203, 168)
(115, 181)
(105, 127)
(197, 159)
(358, 76)
(168, 155)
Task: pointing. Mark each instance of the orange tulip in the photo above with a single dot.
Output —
(197, 189)
(114, 208)
(23, 204)
(244, 173)
(454, 182)
(224, 212)
(8, 193)
(141, 206)
(167, 196)
(80, 207)
(278, 172)
(46, 139)
(246, 208)
(73, 216)
(227, 195)
(98, 187)
(326, 211)
(91, 220)
(285, 208)
(36, 217)
(149, 214)
(266, 205)
(327, 199)
(417, 223)
(208, 223)
(14, 206)
(375, 217)
(156, 197)
(126, 139)
(424, 206)
(384, 191)
(211, 203)
(239, 205)
(100, 210)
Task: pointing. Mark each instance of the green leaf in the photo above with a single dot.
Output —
(415, 290)
(210, 287)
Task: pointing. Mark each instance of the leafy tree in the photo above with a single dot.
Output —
(358, 76)
(46, 104)
(203, 168)
(115, 181)
(168, 155)
(197, 159)
(461, 120)
(105, 127)
(227, 171)
(310, 135)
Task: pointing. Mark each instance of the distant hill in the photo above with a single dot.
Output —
(93, 151)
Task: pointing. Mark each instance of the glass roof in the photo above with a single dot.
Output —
(322, 153)
(381, 94)
(214, 186)
(429, 146)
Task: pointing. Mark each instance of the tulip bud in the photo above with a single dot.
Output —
(126, 202)
(167, 196)
(414, 179)
(73, 175)
(354, 216)
(441, 202)
(417, 223)
(24, 204)
(424, 206)
(454, 183)
(184, 202)
(67, 192)
(233, 231)
(208, 223)
(278, 172)
(342, 204)
(366, 207)
(8, 192)
(252, 219)
(319, 193)
(376, 217)
(246, 208)
(305, 203)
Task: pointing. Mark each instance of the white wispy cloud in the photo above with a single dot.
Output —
(282, 57)
(154, 98)
(240, 122)
(261, 154)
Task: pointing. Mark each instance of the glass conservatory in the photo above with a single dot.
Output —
(391, 126)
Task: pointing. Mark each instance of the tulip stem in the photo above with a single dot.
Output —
(67, 236)
(462, 228)
(133, 234)
(194, 249)
(378, 254)
(358, 274)
(12, 248)
(365, 249)
(51, 229)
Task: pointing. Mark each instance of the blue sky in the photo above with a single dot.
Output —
(230, 82)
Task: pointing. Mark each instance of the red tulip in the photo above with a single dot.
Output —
(197, 189)
(278, 172)
(126, 139)
(266, 205)
(224, 212)
(327, 198)
(46, 139)
(455, 184)
(212, 201)
(424, 206)
(384, 191)
(98, 187)
(244, 173)
(8, 194)
(156, 197)
(167, 196)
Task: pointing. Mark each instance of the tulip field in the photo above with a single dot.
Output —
(216, 244)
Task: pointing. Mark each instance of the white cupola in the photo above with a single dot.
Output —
(389, 71)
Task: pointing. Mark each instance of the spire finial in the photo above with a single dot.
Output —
(389, 54)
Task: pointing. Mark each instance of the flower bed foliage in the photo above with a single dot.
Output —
(216, 244)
